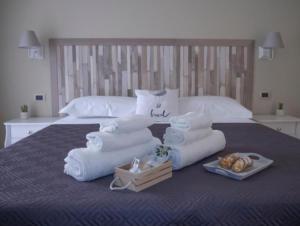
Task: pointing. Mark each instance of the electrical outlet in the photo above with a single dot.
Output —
(41, 97)
(265, 95)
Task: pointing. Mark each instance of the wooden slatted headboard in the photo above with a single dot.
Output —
(116, 67)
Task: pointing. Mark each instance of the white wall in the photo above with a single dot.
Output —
(21, 77)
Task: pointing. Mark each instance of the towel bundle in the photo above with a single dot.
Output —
(107, 142)
(191, 121)
(191, 139)
(86, 165)
(126, 124)
(117, 142)
(174, 136)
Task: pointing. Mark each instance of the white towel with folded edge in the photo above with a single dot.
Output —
(126, 124)
(185, 155)
(191, 121)
(117, 141)
(85, 165)
(175, 136)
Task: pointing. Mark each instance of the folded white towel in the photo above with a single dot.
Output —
(184, 155)
(175, 136)
(126, 124)
(85, 165)
(191, 121)
(111, 141)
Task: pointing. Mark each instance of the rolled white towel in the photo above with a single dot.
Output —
(111, 141)
(85, 165)
(185, 155)
(175, 136)
(126, 124)
(191, 121)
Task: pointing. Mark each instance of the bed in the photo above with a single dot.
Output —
(35, 191)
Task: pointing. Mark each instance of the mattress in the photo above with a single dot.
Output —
(35, 191)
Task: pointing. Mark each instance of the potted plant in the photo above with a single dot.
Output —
(24, 112)
(280, 110)
(162, 153)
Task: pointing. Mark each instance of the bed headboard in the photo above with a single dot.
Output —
(116, 67)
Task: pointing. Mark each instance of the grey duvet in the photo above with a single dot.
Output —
(35, 191)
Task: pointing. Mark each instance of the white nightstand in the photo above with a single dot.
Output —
(18, 129)
(286, 124)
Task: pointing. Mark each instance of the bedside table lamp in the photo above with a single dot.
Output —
(273, 40)
(30, 41)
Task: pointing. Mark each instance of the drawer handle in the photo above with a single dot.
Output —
(29, 132)
(279, 129)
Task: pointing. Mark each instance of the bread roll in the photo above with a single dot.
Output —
(227, 161)
(241, 164)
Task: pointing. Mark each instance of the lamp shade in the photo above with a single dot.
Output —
(29, 40)
(273, 40)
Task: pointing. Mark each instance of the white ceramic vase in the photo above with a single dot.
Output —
(24, 115)
(280, 112)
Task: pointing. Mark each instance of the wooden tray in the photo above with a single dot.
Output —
(124, 179)
(259, 164)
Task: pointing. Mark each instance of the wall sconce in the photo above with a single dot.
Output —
(30, 42)
(272, 41)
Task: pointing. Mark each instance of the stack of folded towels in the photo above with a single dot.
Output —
(191, 139)
(117, 142)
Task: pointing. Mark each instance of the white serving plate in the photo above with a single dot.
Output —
(259, 164)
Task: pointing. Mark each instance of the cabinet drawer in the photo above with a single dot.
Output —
(284, 127)
(20, 131)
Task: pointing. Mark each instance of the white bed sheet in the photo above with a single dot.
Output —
(74, 120)
(96, 120)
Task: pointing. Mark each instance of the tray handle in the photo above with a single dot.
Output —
(116, 188)
(255, 155)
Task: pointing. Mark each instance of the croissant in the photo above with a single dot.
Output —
(227, 161)
(241, 164)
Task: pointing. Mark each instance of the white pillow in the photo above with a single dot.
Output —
(121, 106)
(88, 106)
(218, 107)
(160, 105)
(99, 106)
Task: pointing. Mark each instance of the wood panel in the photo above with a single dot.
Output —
(116, 67)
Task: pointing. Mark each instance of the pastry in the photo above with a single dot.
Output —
(241, 164)
(227, 161)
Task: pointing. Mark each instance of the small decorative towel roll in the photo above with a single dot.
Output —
(94, 142)
(191, 121)
(175, 136)
(185, 155)
(112, 141)
(126, 124)
(93, 147)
